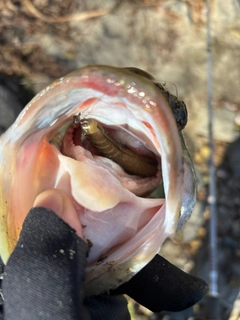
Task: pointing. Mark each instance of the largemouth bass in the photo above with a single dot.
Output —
(107, 137)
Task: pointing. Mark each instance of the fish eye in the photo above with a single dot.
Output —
(180, 114)
(178, 107)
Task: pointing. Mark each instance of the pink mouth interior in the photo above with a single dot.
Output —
(79, 148)
(116, 224)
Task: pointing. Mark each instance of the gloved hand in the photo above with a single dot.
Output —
(44, 277)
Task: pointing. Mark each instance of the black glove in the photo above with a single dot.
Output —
(44, 278)
(162, 286)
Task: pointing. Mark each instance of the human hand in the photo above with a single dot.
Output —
(44, 277)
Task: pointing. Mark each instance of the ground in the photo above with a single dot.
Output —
(41, 40)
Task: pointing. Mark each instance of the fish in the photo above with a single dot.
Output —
(108, 137)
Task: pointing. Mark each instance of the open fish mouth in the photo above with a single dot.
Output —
(107, 137)
(115, 148)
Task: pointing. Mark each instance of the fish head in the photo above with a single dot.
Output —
(48, 147)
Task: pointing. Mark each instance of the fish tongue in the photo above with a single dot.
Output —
(91, 185)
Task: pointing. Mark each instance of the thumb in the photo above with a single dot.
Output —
(59, 202)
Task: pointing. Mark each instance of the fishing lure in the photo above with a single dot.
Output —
(129, 160)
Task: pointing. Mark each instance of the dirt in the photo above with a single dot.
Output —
(41, 40)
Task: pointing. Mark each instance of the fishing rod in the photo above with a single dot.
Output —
(213, 295)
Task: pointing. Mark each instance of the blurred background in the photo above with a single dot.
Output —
(41, 40)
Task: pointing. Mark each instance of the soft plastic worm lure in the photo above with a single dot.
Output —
(130, 161)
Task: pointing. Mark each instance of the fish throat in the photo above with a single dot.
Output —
(113, 147)
(130, 161)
